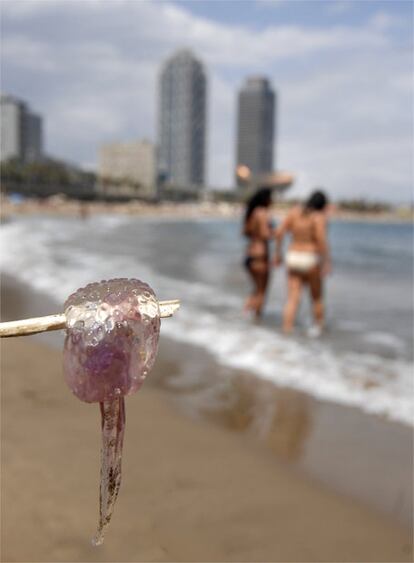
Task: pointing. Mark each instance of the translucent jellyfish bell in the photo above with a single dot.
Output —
(111, 344)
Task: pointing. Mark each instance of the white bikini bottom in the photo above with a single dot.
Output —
(301, 262)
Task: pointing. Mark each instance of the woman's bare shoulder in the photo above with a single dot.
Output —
(319, 217)
(294, 213)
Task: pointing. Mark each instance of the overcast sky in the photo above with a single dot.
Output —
(343, 72)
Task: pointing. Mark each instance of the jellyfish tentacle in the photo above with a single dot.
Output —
(113, 426)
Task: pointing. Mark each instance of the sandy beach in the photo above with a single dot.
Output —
(193, 489)
(63, 206)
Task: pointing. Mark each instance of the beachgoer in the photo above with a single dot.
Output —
(307, 259)
(258, 229)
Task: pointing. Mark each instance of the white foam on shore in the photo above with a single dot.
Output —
(384, 339)
(42, 253)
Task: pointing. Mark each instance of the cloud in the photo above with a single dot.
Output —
(383, 20)
(339, 7)
(24, 9)
(92, 67)
(271, 3)
(25, 53)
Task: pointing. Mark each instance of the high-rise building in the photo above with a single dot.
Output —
(133, 162)
(21, 131)
(32, 137)
(255, 133)
(182, 122)
(11, 130)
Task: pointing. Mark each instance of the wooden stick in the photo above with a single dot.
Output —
(58, 322)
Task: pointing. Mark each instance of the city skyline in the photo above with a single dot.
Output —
(342, 125)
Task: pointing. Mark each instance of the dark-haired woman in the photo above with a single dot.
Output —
(258, 229)
(307, 258)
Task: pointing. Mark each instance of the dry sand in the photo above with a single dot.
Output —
(60, 205)
(191, 491)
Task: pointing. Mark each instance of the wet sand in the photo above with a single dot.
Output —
(193, 488)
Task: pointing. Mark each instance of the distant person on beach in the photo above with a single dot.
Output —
(258, 229)
(83, 210)
(307, 259)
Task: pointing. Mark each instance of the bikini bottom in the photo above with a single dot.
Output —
(301, 262)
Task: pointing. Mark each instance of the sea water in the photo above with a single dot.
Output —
(365, 356)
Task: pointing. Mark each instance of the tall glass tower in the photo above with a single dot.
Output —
(255, 133)
(182, 121)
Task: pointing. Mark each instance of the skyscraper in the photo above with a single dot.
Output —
(21, 131)
(255, 133)
(182, 121)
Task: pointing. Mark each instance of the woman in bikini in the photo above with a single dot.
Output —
(307, 259)
(258, 229)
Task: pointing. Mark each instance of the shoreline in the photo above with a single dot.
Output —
(344, 449)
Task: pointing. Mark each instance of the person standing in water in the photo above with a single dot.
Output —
(307, 259)
(258, 229)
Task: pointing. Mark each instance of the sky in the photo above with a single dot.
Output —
(342, 71)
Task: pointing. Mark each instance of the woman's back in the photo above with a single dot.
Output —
(258, 231)
(303, 226)
(256, 227)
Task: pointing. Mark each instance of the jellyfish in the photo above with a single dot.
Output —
(110, 346)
